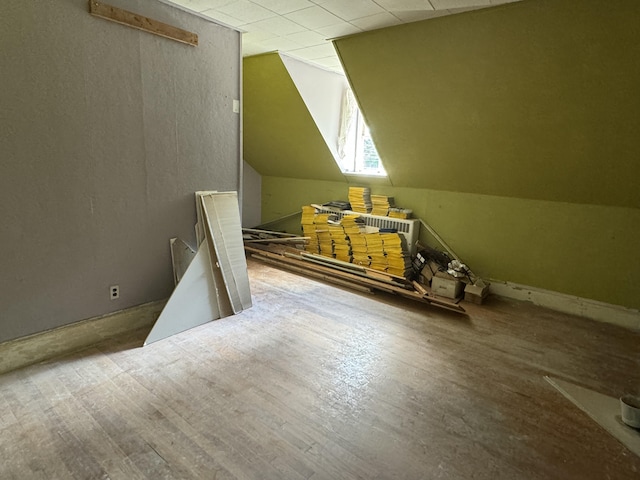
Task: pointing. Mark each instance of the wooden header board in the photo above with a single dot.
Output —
(140, 22)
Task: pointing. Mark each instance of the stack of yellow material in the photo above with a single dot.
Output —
(352, 225)
(375, 250)
(359, 250)
(340, 242)
(312, 244)
(308, 215)
(396, 252)
(400, 212)
(348, 242)
(360, 199)
(309, 229)
(381, 204)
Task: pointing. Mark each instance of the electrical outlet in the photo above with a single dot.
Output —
(114, 291)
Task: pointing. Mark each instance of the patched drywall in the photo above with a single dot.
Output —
(106, 132)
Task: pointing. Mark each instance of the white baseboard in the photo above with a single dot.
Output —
(36, 348)
(561, 302)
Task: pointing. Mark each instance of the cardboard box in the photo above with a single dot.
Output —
(476, 293)
(448, 286)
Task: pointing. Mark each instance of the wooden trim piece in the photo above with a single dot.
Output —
(130, 19)
(562, 302)
(269, 232)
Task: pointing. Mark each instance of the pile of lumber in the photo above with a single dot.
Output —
(282, 252)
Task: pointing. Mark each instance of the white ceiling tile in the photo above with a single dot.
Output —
(284, 6)
(376, 21)
(311, 53)
(400, 5)
(447, 4)
(256, 35)
(247, 11)
(276, 25)
(307, 38)
(280, 43)
(332, 61)
(340, 30)
(253, 49)
(313, 18)
(352, 9)
(224, 18)
(302, 28)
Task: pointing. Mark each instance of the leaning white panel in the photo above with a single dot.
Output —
(200, 233)
(192, 303)
(223, 218)
(603, 409)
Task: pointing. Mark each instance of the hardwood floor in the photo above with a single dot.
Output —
(315, 382)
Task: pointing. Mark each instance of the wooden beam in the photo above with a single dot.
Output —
(277, 240)
(268, 232)
(140, 22)
(313, 274)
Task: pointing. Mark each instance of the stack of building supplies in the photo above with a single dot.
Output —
(347, 240)
(325, 243)
(375, 250)
(215, 283)
(344, 274)
(340, 241)
(381, 205)
(395, 212)
(354, 229)
(309, 229)
(360, 199)
(397, 254)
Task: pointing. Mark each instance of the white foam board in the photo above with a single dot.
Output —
(222, 215)
(193, 301)
(603, 409)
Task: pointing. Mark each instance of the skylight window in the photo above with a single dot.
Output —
(356, 151)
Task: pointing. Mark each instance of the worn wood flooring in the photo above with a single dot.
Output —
(316, 382)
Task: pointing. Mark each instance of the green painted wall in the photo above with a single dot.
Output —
(280, 136)
(584, 250)
(513, 131)
(535, 99)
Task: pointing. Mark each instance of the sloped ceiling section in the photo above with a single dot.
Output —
(280, 137)
(530, 100)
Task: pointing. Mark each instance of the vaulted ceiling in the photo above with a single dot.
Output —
(304, 28)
